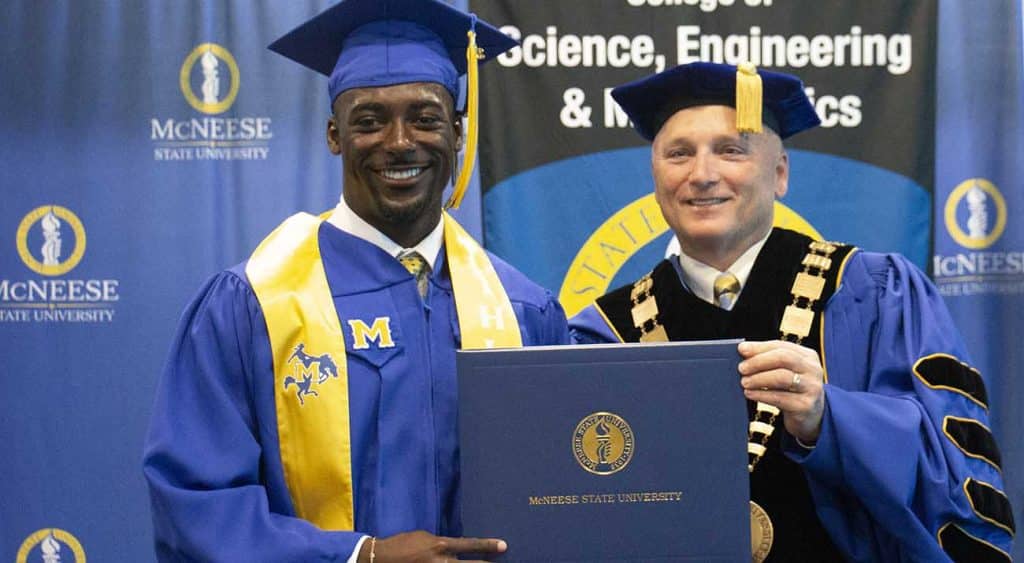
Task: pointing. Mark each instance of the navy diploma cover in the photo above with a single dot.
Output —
(630, 452)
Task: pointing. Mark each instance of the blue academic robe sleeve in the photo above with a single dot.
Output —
(541, 317)
(885, 476)
(542, 324)
(590, 327)
(203, 456)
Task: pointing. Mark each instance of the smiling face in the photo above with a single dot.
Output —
(717, 187)
(398, 144)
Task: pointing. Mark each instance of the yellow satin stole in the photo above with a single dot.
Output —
(310, 372)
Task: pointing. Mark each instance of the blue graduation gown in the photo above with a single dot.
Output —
(883, 476)
(212, 458)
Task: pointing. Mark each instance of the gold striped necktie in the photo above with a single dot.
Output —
(418, 267)
(727, 288)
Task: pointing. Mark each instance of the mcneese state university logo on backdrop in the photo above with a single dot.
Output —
(975, 216)
(210, 81)
(51, 545)
(51, 241)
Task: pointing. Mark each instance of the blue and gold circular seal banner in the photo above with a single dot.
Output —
(49, 217)
(53, 544)
(975, 214)
(209, 101)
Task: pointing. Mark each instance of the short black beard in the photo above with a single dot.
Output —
(398, 215)
(405, 214)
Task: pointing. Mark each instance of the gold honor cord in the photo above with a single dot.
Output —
(288, 277)
(473, 55)
(486, 319)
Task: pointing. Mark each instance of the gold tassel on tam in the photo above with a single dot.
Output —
(473, 55)
(748, 99)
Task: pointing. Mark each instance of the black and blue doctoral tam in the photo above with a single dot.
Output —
(780, 100)
(375, 43)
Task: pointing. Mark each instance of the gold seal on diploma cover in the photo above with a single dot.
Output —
(603, 443)
(761, 533)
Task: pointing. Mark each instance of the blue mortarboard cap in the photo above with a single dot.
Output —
(372, 43)
(651, 101)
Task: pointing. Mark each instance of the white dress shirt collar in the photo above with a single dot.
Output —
(347, 220)
(700, 278)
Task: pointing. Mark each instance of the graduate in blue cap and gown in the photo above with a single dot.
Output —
(308, 408)
(868, 437)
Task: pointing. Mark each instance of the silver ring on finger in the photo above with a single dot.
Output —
(794, 386)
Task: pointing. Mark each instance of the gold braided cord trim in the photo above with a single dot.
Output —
(821, 325)
(1008, 526)
(842, 266)
(600, 311)
(958, 390)
(963, 447)
(951, 527)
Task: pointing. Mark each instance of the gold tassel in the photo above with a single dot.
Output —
(473, 54)
(748, 99)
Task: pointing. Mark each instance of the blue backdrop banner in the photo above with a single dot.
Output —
(147, 145)
(978, 263)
